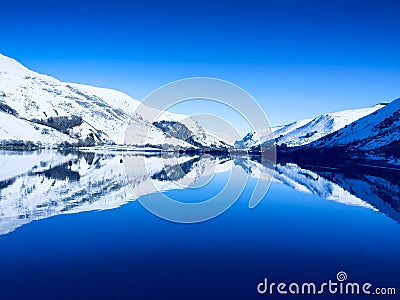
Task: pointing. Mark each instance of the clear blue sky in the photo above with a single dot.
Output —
(297, 58)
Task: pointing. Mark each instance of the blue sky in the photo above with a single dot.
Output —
(297, 58)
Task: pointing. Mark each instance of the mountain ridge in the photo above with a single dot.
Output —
(39, 104)
(305, 131)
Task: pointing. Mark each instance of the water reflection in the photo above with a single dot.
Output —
(376, 188)
(37, 185)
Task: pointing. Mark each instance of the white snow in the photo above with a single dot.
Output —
(33, 192)
(16, 163)
(305, 181)
(106, 113)
(305, 131)
(12, 128)
(370, 132)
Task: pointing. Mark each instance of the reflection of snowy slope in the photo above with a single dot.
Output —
(38, 185)
(254, 168)
(305, 181)
(148, 175)
(14, 163)
(90, 183)
(382, 193)
(292, 174)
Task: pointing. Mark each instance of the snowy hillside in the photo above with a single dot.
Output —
(308, 130)
(379, 130)
(255, 138)
(42, 109)
(12, 128)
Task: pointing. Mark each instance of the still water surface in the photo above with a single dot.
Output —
(70, 228)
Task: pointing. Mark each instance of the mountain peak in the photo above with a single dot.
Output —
(306, 131)
(9, 65)
(374, 131)
(42, 110)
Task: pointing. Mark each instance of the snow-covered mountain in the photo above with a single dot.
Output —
(43, 110)
(305, 131)
(377, 133)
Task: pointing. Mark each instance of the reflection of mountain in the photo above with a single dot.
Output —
(37, 185)
(303, 180)
(163, 173)
(48, 183)
(374, 188)
(379, 187)
(175, 172)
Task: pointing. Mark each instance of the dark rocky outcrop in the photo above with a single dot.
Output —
(61, 123)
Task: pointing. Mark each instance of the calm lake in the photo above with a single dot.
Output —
(70, 227)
